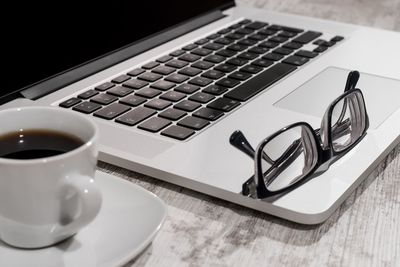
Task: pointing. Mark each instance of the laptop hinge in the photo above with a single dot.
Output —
(73, 75)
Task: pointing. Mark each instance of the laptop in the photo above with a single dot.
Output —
(167, 83)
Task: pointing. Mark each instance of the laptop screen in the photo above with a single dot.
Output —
(40, 40)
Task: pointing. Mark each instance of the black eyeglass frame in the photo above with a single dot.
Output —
(326, 154)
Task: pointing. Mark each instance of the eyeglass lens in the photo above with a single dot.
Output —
(294, 155)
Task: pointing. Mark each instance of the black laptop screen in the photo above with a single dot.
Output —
(41, 40)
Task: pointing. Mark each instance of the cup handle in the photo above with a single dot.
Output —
(89, 201)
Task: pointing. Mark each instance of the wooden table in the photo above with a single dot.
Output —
(204, 231)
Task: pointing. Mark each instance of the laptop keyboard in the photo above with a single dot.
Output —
(183, 92)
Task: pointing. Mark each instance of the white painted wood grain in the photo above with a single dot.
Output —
(205, 231)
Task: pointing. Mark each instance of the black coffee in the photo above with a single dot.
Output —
(34, 144)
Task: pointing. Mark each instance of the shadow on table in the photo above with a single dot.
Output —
(244, 225)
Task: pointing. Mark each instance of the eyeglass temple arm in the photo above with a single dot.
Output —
(352, 80)
(239, 141)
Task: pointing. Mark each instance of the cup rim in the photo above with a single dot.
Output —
(77, 150)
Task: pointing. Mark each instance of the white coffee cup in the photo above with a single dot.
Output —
(46, 200)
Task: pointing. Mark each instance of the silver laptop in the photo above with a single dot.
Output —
(169, 87)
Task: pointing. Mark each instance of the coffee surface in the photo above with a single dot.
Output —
(35, 143)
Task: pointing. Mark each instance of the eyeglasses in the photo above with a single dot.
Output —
(296, 153)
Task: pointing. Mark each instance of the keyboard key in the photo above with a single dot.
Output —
(135, 84)
(164, 70)
(201, 52)
(320, 49)
(223, 104)
(225, 68)
(135, 116)
(214, 58)
(278, 39)
(262, 62)
(237, 47)
(266, 32)
(200, 81)
(149, 76)
(305, 53)
(189, 57)
(258, 50)
(193, 123)
(224, 41)
(268, 44)
(237, 61)
(187, 88)
(208, 114)
(226, 53)
(133, 100)
(296, 60)
(136, 72)
(70, 102)
(87, 107)
(148, 92)
(215, 89)
(337, 38)
(251, 69)
(287, 34)
(177, 78)
(273, 57)
(158, 104)
(203, 65)
(189, 71)
(213, 36)
(120, 91)
(187, 105)
(104, 99)
(244, 31)
(224, 31)
(248, 56)
(213, 74)
(234, 36)
(177, 63)
(88, 94)
(201, 97)
(173, 96)
(164, 59)
(111, 111)
(257, 37)
(178, 132)
(284, 28)
(307, 37)
(154, 124)
(202, 41)
(121, 79)
(256, 25)
(227, 82)
(253, 86)
(177, 53)
(189, 47)
(238, 75)
(283, 51)
(213, 46)
(150, 65)
(172, 114)
(247, 42)
(163, 85)
(292, 45)
(104, 86)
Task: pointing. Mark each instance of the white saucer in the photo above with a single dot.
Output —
(128, 221)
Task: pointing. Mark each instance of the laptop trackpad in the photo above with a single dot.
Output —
(313, 97)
